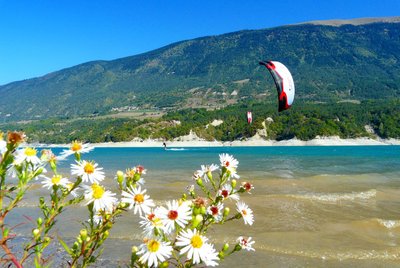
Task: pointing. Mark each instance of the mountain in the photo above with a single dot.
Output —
(329, 61)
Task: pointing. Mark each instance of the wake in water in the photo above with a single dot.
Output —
(176, 149)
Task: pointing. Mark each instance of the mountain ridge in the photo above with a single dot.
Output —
(203, 71)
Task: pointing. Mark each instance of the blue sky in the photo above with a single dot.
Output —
(42, 36)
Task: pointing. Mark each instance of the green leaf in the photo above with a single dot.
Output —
(65, 246)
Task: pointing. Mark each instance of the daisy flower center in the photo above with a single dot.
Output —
(139, 198)
(225, 193)
(139, 169)
(214, 210)
(196, 241)
(88, 168)
(98, 191)
(30, 152)
(247, 186)
(227, 163)
(153, 245)
(76, 146)
(56, 179)
(172, 215)
(151, 216)
(244, 212)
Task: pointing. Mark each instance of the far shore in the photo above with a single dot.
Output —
(194, 141)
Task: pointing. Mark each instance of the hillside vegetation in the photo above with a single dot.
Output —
(304, 121)
(329, 63)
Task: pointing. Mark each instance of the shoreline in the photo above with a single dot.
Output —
(254, 141)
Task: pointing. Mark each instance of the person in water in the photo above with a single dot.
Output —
(165, 145)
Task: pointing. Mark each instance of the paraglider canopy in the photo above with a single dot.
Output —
(283, 81)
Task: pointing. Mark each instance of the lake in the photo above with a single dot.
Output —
(323, 206)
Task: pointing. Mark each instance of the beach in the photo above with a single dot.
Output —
(192, 140)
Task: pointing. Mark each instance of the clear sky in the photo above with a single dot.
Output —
(42, 36)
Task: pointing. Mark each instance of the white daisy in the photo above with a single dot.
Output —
(97, 218)
(226, 193)
(140, 169)
(154, 252)
(246, 243)
(212, 255)
(102, 199)
(228, 161)
(247, 186)
(150, 222)
(229, 165)
(76, 147)
(196, 175)
(137, 198)
(88, 171)
(196, 247)
(206, 171)
(27, 154)
(55, 180)
(3, 146)
(175, 213)
(216, 211)
(246, 212)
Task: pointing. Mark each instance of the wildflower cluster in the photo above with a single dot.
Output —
(174, 233)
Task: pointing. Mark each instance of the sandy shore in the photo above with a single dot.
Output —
(192, 140)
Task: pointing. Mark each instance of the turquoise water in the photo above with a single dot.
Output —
(304, 160)
(319, 206)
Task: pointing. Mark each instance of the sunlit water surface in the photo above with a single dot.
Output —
(313, 206)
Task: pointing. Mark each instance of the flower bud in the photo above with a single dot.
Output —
(35, 232)
(238, 247)
(225, 247)
(226, 212)
(196, 210)
(83, 234)
(197, 220)
(209, 175)
(106, 234)
(53, 165)
(199, 182)
(164, 264)
(135, 249)
(75, 245)
(46, 241)
(39, 221)
(203, 210)
(233, 184)
(38, 172)
(120, 176)
(221, 255)
(136, 177)
(5, 232)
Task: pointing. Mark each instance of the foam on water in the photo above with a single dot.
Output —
(388, 254)
(389, 224)
(337, 197)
